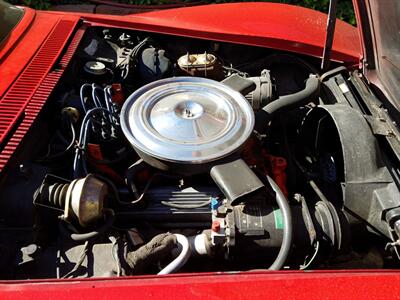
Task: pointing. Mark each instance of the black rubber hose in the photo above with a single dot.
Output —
(80, 237)
(287, 227)
(333, 72)
(286, 103)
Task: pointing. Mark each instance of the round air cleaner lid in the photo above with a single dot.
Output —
(187, 120)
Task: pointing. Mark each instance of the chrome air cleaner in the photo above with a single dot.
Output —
(186, 121)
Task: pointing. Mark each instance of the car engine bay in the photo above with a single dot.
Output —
(160, 154)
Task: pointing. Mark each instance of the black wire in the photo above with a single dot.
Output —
(69, 147)
(80, 237)
(79, 166)
(71, 144)
(365, 222)
(124, 64)
(232, 69)
(79, 262)
(103, 116)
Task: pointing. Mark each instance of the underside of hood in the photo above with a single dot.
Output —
(379, 28)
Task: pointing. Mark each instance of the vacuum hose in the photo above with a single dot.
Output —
(79, 237)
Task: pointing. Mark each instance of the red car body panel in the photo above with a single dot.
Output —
(270, 25)
(23, 44)
(261, 285)
(18, 32)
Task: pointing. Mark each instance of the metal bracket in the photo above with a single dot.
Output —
(379, 126)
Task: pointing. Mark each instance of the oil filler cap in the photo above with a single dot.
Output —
(95, 68)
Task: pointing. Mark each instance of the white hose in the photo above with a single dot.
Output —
(182, 258)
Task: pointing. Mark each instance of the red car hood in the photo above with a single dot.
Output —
(283, 27)
(272, 25)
